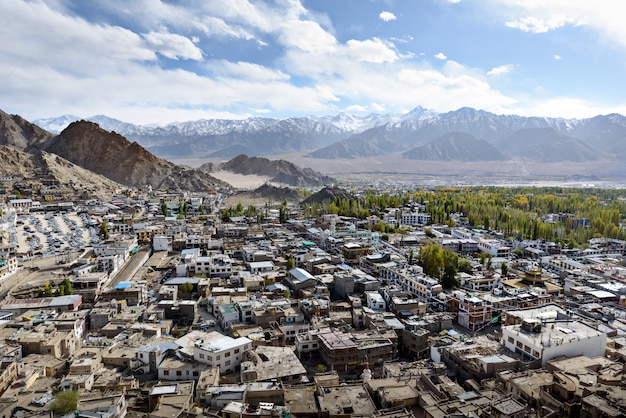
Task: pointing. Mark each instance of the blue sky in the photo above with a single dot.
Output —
(155, 61)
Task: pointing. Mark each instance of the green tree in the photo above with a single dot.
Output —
(465, 265)
(287, 293)
(104, 230)
(65, 402)
(504, 269)
(67, 287)
(164, 208)
(186, 287)
(431, 260)
(291, 264)
(225, 215)
(450, 269)
(47, 289)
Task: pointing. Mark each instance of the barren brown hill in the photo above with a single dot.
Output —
(21, 165)
(264, 194)
(279, 171)
(19, 133)
(115, 157)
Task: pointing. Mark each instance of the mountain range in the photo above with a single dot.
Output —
(83, 154)
(465, 134)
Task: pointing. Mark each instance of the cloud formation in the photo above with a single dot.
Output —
(387, 16)
(500, 70)
(156, 61)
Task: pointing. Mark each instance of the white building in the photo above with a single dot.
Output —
(162, 243)
(545, 341)
(493, 247)
(219, 265)
(375, 301)
(415, 218)
(215, 349)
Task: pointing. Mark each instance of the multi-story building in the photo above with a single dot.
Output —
(215, 349)
(345, 351)
(542, 341)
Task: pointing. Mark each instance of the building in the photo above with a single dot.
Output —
(540, 341)
(215, 349)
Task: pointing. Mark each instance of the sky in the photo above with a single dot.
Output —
(156, 61)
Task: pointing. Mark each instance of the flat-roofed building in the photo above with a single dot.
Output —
(215, 349)
(544, 341)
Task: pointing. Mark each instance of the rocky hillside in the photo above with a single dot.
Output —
(456, 146)
(19, 133)
(113, 156)
(264, 194)
(327, 194)
(279, 171)
(548, 145)
(19, 165)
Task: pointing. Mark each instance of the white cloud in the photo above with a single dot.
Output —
(500, 70)
(173, 46)
(601, 18)
(387, 16)
(377, 107)
(371, 50)
(440, 56)
(557, 57)
(247, 70)
(572, 107)
(307, 36)
(540, 25)
(356, 108)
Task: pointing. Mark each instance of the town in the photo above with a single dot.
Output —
(168, 304)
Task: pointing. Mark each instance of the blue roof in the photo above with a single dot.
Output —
(123, 285)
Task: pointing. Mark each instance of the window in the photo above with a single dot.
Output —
(519, 344)
(217, 358)
(195, 374)
(201, 355)
(236, 350)
(166, 372)
(527, 349)
(305, 346)
(227, 363)
(178, 373)
(227, 354)
(209, 358)
(511, 340)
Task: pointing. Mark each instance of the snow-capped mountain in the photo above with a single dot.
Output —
(350, 136)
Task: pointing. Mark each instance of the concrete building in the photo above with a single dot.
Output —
(544, 341)
(215, 349)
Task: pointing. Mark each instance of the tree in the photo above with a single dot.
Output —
(67, 287)
(431, 260)
(47, 289)
(411, 255)
(164, 208)
(186, 287)
(504, 269)
(65, 402)
(450, 269)
(287, 293)
(104, 230)
(465, 265)
(291, 264)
